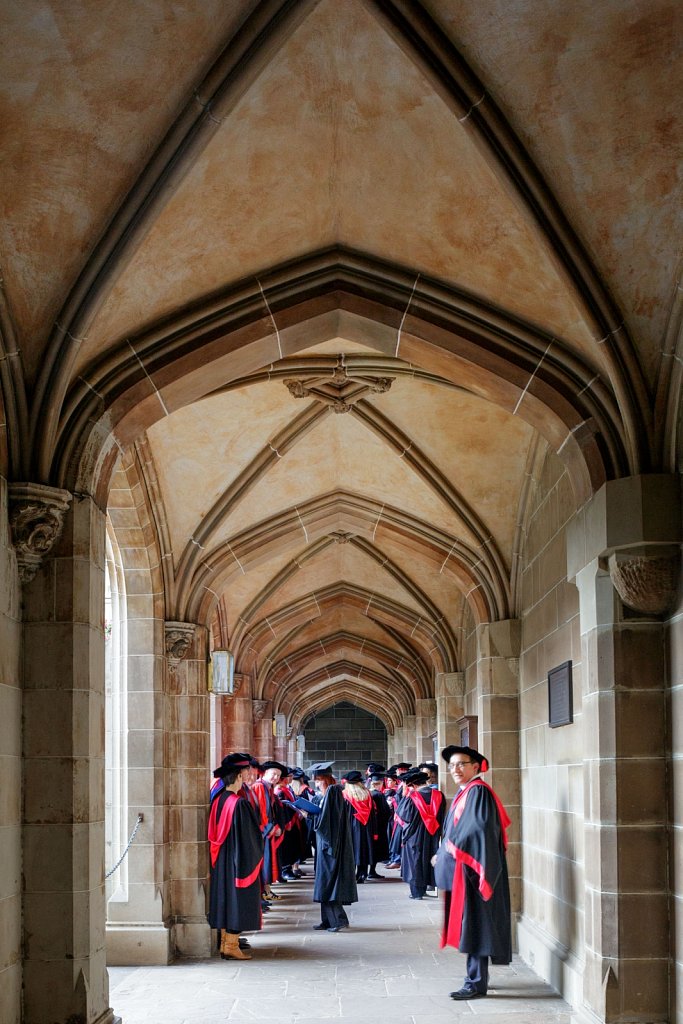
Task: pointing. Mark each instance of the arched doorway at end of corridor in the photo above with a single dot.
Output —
(347, 735)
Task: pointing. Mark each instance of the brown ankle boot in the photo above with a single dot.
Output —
(230, 948)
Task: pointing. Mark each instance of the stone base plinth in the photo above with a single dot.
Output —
(552, 962)
(138, 945)
(192, 939)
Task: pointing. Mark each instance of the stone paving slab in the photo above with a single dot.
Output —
(386, 968)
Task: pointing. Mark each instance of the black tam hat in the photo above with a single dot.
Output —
(474, 755)
(415, 777)
(374, 768)
(282, 768)
(354, 777)
(404, 765)
(231, 763)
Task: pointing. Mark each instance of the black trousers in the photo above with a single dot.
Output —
(332, 914)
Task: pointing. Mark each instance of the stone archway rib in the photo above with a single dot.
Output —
(263, 33)
(268, 457)
(280, 672)
(524, 370)
(255, 639)
(322, 689)
(321, 516)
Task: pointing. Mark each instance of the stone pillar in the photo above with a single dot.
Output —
(189, 784)
(450, 706)
(65, 975)
(409, 740)
(10, 757)
(263, 729)
(425, 727)
(498, 647)
(236, 719)
(623, 554)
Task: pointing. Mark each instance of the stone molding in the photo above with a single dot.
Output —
(259, 709)
(36, 518)
(178, 637)
(646, 579)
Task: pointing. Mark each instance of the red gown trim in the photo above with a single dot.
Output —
(219, 828)
(428, 811)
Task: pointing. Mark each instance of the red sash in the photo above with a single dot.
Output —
(362, 808)
(428, 811)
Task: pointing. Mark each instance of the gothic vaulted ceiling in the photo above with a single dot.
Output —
(330, 273)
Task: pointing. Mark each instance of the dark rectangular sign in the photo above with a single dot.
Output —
(560, 710)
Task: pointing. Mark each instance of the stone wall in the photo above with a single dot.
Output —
(346, 735)
(552, 926)
(675, 632)
(10, 766)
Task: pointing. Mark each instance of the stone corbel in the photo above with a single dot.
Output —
(178, 637)
(260, 707)
(36, 519)
(646, 577)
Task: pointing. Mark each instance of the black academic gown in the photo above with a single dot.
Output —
(418, 845)
(335, 867)
(237, 845)
(472, 868)
(380, 839)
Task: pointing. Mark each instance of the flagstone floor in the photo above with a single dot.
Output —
(386, 968)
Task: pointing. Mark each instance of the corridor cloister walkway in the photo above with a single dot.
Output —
(386, 968)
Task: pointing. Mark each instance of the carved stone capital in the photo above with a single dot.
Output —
(646, 578)
(36, 517)
(178, 637)
(259, 709)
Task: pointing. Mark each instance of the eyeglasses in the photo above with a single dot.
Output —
(458, 764)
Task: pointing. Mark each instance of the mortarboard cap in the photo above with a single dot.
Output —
(230, 763)
(377, 777)
(320, 768)
(474, 755)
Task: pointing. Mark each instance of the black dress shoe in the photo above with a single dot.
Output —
(416, 897)
(466, 993)
(320, 927)
(373, 874)
(244, 943)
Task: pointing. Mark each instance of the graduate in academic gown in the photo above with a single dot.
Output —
(383, 816)
(236, 853)
(335, 869)
(271, 821)
(420, 815)
(363, 821)
(471, 867)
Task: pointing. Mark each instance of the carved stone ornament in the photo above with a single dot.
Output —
(178, 637)
(647, 579)
(36, 519)
(339, 389)
(259, 707)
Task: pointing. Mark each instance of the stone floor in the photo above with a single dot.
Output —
(386, 968)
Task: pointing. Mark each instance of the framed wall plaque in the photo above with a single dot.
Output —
(560, 700)
(467, 730)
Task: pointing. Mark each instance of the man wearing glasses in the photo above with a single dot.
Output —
(470, 867)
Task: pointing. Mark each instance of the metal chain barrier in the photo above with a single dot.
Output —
(128, 846)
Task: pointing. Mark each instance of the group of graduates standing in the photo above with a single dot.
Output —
(266, 820)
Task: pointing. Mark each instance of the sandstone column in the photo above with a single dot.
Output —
(65, 976)
(189, 784)
(498, 646)
(425, 727)
(623, 553)
(450, 706)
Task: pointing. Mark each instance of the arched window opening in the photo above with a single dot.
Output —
(116, 719)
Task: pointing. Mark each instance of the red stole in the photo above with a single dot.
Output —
(362, 808)
(219, 828)
(428, 811)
